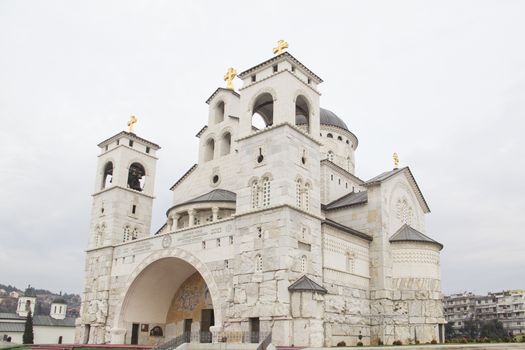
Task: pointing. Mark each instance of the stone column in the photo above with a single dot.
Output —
(175, 224)
(191, 216)
(215, 212)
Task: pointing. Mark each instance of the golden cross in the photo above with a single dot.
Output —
(281, 45)
(131, 123)
(228, 78)
(396, 160)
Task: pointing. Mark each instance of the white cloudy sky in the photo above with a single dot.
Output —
(440, 82)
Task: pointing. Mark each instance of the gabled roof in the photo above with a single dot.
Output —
(304, 284)
(131, 136)
(217, 195)
(186, 174)
(343, 170)
(279, 58)
(217, 91)
(388, 174)
(11, 327)
(201, 131)
(409, 234)
(353, 198)
(347, 229)
(42, 320)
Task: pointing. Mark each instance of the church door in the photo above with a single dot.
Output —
(135, 334)
(187, 329)
(207, 320)
(254, 329)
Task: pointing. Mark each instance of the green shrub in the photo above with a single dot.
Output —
(397, 342)
(359, 344)
(341, 343)
(434, 341)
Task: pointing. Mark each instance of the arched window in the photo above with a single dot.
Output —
(209, 149)
(226, 144)
(107, 177)
(302, 114)
(262, 110)
(304, 263)
(156, 332)
(298, 192)
(136, 176)
(255, 194)
(330, 136)
(265, 192)
(330, 156)
(306, 194)
(127, 234)
(348, 163)
(339, 138)
(258, 263)
(219, 112)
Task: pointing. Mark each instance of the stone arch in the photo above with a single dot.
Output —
(107, 173)
(181, 258)
(262, 108)
(209, 148)
(226, 141)
(219, 112)
(303, 111)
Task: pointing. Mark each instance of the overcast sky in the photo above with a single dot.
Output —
(440, 82)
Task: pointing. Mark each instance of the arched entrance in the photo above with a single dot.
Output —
(167, 296)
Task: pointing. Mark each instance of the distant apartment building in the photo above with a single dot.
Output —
(506, 306)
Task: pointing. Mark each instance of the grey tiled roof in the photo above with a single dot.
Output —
(347, 229)
(11, 327)
(42, 320)
(38, 320)
(409, 234)
(217, 195)
(10, 316)
(353, 198)
(304, 284)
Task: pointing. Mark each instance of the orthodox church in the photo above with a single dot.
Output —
(271, 231)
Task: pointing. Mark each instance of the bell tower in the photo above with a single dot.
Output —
(124, 188)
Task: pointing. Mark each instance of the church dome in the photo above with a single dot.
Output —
(326, 117)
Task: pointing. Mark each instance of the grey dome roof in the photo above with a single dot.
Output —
(326, 117)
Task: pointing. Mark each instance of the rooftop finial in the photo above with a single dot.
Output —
(228, 78)
(396, 160)
(281, 45)
(131, 123)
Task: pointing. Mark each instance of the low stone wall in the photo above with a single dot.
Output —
(499, 346)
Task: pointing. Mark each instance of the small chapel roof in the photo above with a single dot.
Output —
(350, 199)
(410, 234)
(304, 284)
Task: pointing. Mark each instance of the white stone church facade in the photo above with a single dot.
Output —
(271, 230)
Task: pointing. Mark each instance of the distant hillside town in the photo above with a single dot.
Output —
(468, 314)
(47, 315)
(9, 298)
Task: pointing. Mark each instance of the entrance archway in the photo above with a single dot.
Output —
(169, 293)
